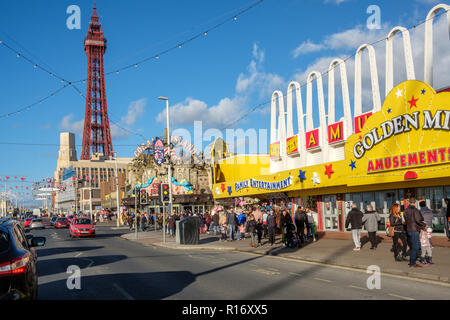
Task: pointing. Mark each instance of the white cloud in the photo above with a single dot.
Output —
(72, 126)
(306, 47)
(256, 79)
(346, 40)
(135, 110)
(226, 111)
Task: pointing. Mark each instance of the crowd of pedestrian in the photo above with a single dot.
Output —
(411, 231)
(262, 222)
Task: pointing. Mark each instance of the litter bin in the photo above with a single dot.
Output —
(188, 231)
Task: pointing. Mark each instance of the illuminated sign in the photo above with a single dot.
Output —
(312, 139)
(336, 132)
(275, 150)
(360, 121)
(292, 145)
(410, 160)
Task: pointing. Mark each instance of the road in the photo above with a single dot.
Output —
(115, 268)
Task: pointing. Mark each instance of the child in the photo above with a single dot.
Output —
(425, 236)
(223, 231)
(242, 231)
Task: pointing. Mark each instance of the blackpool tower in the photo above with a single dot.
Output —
(96, 133)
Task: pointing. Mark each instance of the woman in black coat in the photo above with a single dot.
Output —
(396, 221)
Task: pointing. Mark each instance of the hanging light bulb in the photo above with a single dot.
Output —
(179, 46)
(157, 57)
(18, 55)
(35, 66)
(136, 65)
(206, 33)
(234, 18)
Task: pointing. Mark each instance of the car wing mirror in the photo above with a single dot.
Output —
(38, 242)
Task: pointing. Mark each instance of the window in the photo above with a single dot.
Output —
(4, 241)
(20, 238)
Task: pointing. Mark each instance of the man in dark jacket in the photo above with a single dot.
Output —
(271, 227)
(300, 220)
(414, 223)
(354, 218)
(231, 222)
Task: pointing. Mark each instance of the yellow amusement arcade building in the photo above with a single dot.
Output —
(397, 151)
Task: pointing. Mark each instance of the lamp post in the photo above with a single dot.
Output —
(169, 178)
(117, 190)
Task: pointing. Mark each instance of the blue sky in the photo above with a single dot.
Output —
(215, 79)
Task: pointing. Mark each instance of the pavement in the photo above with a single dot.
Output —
(324, 251)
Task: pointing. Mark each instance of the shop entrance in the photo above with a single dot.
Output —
(330, 214)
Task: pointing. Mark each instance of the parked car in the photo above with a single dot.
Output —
(82, 227)
(27, 222)
(53, 220)
(37, 224)
(62, 223)
(18, 273)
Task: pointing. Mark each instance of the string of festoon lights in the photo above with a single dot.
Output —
(305, 82)
(134, 65)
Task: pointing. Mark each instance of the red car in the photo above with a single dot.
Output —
(82, 227)
(62, 223)
(27, 222)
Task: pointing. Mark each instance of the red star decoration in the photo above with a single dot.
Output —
(360, 137)
(413, 102)
(222, 187)
(329, 171)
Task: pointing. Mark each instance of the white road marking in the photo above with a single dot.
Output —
(296, 274)
(79, 254)
(351, 286)
(324, 280)
(267, 272)
(126, 294)
(401, 297)
(91, 262)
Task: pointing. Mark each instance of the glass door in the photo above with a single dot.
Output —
(330, 215)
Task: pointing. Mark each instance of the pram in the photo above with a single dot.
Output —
(291, 240)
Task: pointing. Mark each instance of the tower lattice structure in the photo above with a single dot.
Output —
(97, 132)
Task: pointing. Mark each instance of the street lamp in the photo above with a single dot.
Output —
(117, 190)
(169, 178)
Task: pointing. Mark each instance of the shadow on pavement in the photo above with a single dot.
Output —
(122, 286)
(55, 266)
(52, 251)
(306, 273)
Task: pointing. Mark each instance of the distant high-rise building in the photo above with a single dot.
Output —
(97, 132)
